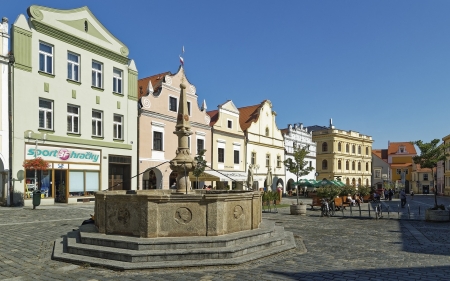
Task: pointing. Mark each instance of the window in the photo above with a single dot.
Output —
(367, 151)
(367, 167)
(310, 164)
(189, 143)
(173, 104)
(278, 161)
(405, 171)
(97, 119)
(353, 148)
(402, 149)
(45, 114)
(73, 67)
(347, 148)
(253, 160)
(339, 146)
(230, 124)
(353, 165)
(359, 149)
(117, 126)
(157, 141)
(399, 171)
(45, 58)
(347, 165)
(97, 74)
(117, 81)
(73, 119)
(267, 160)
(324, 165)
(200, 145)
(267, 131)
(425, 177)
(377, 174)
(359, 166)
(339, 164)
(189, 108)
(221, 152)
(324, 147)
(236, 157)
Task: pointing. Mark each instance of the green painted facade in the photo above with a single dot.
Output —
(21, 47)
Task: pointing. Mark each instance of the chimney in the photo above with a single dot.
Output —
(331, 123)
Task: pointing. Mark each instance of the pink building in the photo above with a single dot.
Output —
(158, 100)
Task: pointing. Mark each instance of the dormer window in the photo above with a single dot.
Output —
(401, 149)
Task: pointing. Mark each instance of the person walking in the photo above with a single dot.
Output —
(412, 195)
(386, 194)
(403, 198)
(390, 194)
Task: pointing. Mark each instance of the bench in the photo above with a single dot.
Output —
(316, 202)
(338, 204)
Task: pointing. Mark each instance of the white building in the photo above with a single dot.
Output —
(299, 135)
(75, 97)
(4, 129)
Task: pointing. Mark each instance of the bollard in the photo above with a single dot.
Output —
(388, 211)
(419, 210)
(351, 211)
(360, 210)
(368, 208)
(398, 211)
(409, 213)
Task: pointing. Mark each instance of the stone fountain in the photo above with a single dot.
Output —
(146, 228)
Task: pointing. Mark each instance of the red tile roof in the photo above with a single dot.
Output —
(377, 152)
(401, 165)
(420, 169)
(409, 147)
(249, 114)
(284, 131)
(214, 114)
(156, 80)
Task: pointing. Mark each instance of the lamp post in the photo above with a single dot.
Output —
(44, 137)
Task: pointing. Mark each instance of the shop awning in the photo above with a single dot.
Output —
(219, 176)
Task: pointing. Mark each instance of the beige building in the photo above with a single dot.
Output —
(264, 144)
(343, 154)
(159, 97)
(227, 147)
(422, 179)
(4, 129)
(446, 139)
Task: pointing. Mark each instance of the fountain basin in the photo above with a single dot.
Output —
(164, 213)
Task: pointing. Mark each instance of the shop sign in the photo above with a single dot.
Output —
(70, 155)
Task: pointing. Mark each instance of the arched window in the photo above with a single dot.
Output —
(367, 182)
(339, 146)
(339, 164)
(359, 166)
(347, 167)
(324, 165)
(267, 131)
(324, 147)
(347, 181)
(353, 149)
(353, 182)
(367, 166)
(353, 165)
(359, 182)
(359, 149)
(367, 151)
(347, 148)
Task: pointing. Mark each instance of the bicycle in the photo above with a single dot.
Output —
(378, 211)
(326, 208)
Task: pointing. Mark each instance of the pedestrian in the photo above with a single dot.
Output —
(403, 198)
(386, 194)
(412, 195)
(390, 194)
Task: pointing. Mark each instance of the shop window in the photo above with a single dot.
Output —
(83, 183)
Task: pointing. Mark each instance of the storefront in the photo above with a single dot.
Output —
(73, 175)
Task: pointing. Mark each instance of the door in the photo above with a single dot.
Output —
(60, 182)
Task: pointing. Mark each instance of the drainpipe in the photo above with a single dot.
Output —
(10, 123)
(137, 150)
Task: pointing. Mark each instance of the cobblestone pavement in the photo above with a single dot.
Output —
(338, 248)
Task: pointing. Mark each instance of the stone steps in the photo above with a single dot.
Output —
(228, 249)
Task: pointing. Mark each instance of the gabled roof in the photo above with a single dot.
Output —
(423, 170)
(377, 152)
(156, 81)
(214, 114)
(249, 114)
(381, 153)
(394, 146)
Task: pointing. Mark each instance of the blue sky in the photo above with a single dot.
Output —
(380, 68)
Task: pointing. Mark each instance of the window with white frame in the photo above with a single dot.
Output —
(45, 58)
(399, 171)
(236, 156)
(221, 155)
(97, 120)
(117, 80)
(73, 67)
(157, 141)
(97, 69)
(200, 145)
(173, 104)
(45, 114)
(73, 119)
(118, 127)
(378, 173)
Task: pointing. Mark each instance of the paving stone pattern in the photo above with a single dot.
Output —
(336, 248)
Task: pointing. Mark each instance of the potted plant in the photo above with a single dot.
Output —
(298, 166)
(430, 154)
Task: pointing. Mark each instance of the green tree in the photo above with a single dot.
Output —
(430, 154)
(200, 166)
(297, 165)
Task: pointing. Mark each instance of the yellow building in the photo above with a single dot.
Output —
(400, 156)
(422, 179)
(446, 139)
(343, 154)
